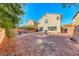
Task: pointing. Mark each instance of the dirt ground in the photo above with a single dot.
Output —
(32, 44)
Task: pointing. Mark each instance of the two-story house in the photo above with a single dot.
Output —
(50, 22)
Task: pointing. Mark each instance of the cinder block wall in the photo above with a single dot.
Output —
(2, 35)
(76, 34)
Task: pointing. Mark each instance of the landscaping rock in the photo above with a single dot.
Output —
(35, 45)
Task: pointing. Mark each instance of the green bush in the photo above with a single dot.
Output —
(29, 27)
(10, 18)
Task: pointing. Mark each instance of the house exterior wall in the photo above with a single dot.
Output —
(76, 20)
(52, 21)
(71, 30)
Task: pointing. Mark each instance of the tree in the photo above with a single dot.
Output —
(68, 5)
(9, 17)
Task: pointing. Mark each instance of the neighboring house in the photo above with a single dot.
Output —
(33, 23)
(76, 19)
(68, 28)
(50, 22)
(30, 22)
(71, 27)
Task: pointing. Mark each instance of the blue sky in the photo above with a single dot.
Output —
(35, 11)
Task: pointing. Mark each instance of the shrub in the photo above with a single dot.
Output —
(10, 18)
(29, 27)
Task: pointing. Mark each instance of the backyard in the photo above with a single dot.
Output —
(35, 44)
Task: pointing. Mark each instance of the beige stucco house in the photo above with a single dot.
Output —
(32, 23)
(50, 22)
(76, 19)
(75, 22)
(70, 29)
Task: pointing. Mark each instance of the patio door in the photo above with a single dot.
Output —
(41, 28)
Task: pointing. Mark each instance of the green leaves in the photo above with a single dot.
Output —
(29, 27)
(68, 5)
(10, 16)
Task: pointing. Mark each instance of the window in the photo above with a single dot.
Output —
(57, 18)
(46, 21)
(41, 28)
(49, 28)
(54, 28)
(65, 30)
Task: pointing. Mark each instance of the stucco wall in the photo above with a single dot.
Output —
(2, 35)
(51, 22)
(70, 30)
(76, 33)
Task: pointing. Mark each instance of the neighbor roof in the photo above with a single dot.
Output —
(75, 14)
(53, 14)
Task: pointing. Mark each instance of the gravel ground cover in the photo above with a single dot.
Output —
(31, 44)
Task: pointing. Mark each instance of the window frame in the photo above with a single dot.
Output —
(52, 28)
(46, 21)
(57, 18)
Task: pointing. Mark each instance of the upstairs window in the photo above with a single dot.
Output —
(46, 21)
(57, 18)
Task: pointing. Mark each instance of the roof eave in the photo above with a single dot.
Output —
(75, 15)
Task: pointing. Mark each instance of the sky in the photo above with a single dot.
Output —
(35, 11)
